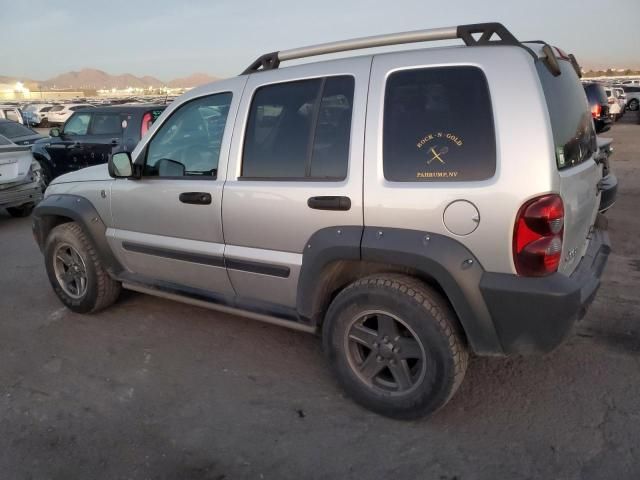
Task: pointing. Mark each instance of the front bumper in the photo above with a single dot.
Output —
(15, 195)
(534, 315)
(608, 191)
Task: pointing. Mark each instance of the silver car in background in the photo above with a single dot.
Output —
(20, 180)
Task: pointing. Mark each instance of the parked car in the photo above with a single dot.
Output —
(615, 110)
(36, 114)
(90, 136)
(10, 112)
(599, 104)
(411, 207)
(632, 93)
(18, 133)
(59, 114)
(20, 181)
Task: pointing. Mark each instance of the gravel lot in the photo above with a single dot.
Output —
(159, 390)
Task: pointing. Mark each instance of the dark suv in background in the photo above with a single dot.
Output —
(91, 136)
(599, 105)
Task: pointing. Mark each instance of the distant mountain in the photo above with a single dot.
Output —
(193, 80)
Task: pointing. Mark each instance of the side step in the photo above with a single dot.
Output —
(156, 292)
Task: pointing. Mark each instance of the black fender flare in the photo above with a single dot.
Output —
(439, 258)
(46, 216)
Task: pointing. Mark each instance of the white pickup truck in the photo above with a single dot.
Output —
(20, 179)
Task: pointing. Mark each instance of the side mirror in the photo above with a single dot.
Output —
(120, 165)
(54, 132)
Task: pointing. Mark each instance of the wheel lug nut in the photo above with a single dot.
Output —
(385, 339)
(392, 361)
(396, 349)
(375, 345)
(379, 358)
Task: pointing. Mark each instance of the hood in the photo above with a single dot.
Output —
(89, 174)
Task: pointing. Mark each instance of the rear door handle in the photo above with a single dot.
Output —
(329, 203)
(114, 141)
(196, 198)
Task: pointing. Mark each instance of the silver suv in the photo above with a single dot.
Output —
(410, 207)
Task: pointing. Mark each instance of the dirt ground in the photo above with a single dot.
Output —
(152, 389)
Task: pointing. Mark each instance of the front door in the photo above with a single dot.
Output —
(295, 168)
(104, 136)
(168, 226)
(68, 151)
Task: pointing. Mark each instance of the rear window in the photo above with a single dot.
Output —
(595, 93)
(13, 130)
(438, 126)
(573, 135)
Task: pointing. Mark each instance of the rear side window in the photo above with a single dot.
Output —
(106, 124)
(300, 130)
(147, 120)
(573, 135)
(57, 108)
(438, 126)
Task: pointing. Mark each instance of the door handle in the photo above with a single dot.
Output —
(196, 198)
(114, 141)
(329, 203)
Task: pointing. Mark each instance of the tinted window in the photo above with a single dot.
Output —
(106, 124)
(57, 108)
(299, 130)
(12, 130)
(595, 92)
(188, 143)
(5, 141)
(438, 126)
(45, 109)
(573, 135)
(79, 107)
(78, 124)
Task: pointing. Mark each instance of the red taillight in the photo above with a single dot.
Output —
(537, 236)
(147, 120)
(596, 110)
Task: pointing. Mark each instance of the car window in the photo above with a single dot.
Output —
(5, 141)
(12, 115)
(188, 142)
(438, 126)
(79, 107)
(13, 130)
(78, 124)
(56, 108)
(573, 134)
(106, 124)
(299, 130)
(45, 109)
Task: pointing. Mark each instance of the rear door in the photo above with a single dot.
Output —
(575, 148)
(104, 136)
(295, 168)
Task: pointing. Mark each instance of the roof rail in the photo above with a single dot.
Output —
(271, 61)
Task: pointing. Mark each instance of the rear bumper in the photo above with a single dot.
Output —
(20, 194)
(534, 315)
(609, 190)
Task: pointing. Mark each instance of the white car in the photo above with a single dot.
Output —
(633, 96)
(622, 98)
(61, 113)
(37, 113)
(11, 112)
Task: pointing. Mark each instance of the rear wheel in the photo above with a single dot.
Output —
(633, 105)
(394, 346)
(21, 211)
(75, 271)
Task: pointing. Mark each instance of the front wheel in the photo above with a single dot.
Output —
(394, 345)
(75, 271)
(633, 105)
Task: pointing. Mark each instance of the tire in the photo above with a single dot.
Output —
(356, 325)
(633, 104)
(21, 211)
(98, 290)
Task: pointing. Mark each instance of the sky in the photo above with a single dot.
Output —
(169, 39)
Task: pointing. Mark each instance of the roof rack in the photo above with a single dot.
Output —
(486, 31)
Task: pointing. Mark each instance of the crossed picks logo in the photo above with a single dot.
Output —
(437, 146)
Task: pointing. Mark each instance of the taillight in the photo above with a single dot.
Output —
(537, 236)
(596, 110)
(611, 101)
(147, 120)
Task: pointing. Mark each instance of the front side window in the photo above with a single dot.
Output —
(106, 124)
(299, 130)
(188, 143)
(438, 126)
(78, 124)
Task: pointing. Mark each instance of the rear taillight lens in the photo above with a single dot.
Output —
(537, 236)
(596, 110)
(147, 120)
